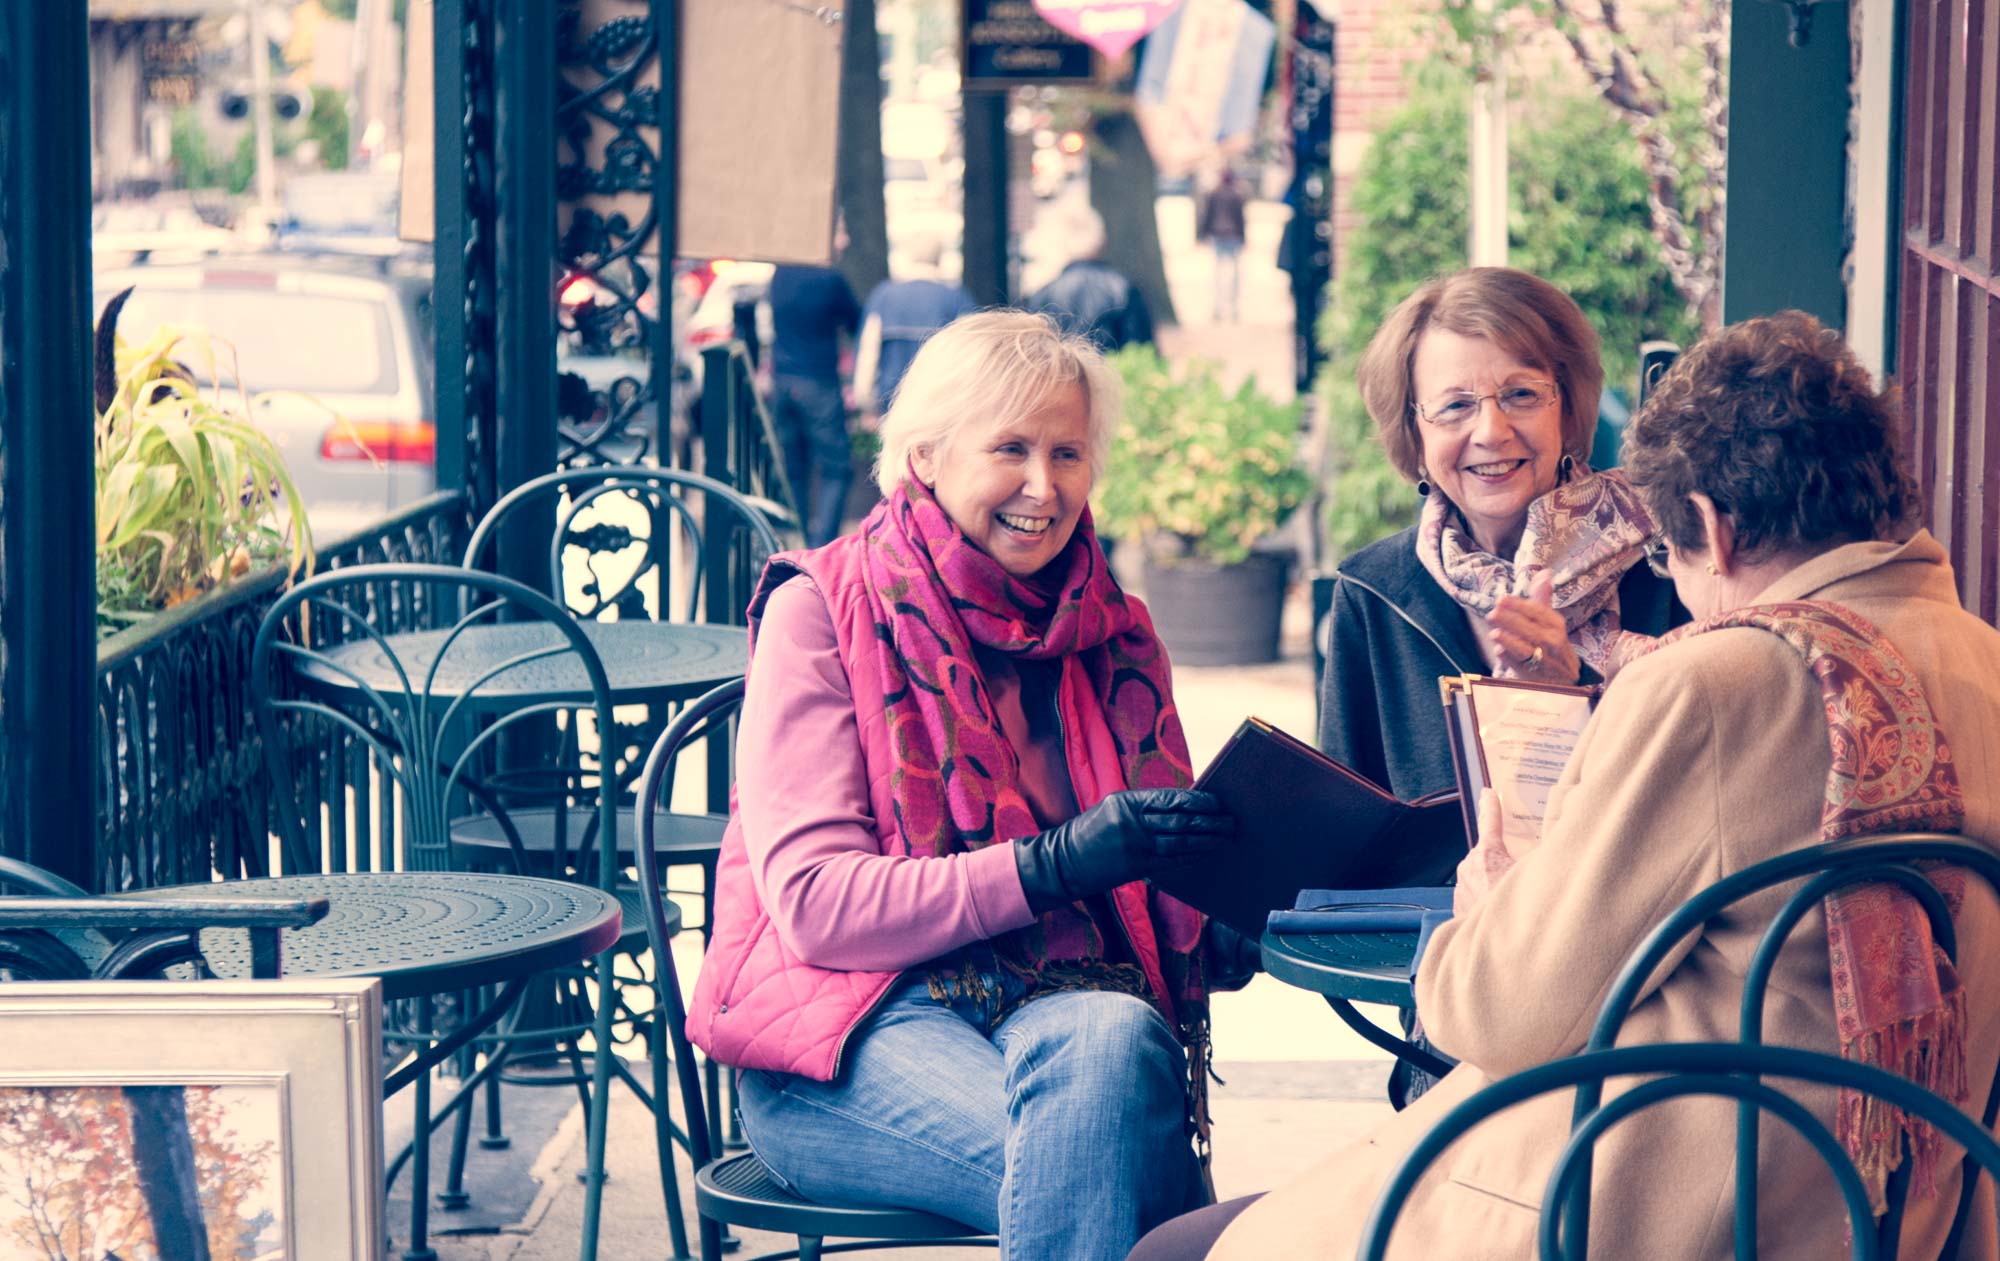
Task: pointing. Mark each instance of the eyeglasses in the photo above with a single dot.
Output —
(1524, 398)
(1656, 558)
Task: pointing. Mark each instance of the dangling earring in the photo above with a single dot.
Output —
(1423, 484)
(1564, 467)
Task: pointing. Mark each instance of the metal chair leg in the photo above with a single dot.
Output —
(663, 1140)
(419, 1248)
(495, 1138)
(454, 1197)
(599, 1113)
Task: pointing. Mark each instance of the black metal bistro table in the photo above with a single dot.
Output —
(1355, 967)
(644, 661)
(422, 934)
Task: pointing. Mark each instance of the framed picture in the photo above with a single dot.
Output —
(149, 1120)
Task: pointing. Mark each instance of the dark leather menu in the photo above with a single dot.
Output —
(1304, 821)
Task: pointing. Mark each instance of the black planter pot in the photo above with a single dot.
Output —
(1217, 615)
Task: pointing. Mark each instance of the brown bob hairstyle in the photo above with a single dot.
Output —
(1524, 315)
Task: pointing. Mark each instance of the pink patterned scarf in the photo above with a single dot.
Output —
(956, 776)
(1897, 1000)
(1587, 533)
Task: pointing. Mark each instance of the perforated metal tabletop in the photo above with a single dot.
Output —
(1359, 967)
(420, 932)
(644, 661)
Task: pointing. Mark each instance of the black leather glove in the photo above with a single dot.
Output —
(1127, 836)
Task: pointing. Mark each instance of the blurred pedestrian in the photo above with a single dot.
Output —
(1090, 297)
(811, 307)
(900, 316)
(1221, 225)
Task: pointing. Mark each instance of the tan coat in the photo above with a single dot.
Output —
(1703, 758)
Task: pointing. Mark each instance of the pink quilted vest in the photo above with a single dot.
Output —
(758, 1005)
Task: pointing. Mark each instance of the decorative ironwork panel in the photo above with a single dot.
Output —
(1948, 344)
(467, 210)
(616, 287)
(183, 795)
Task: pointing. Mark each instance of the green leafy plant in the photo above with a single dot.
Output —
(190, 495)
(1578, 218)
(1198, 471)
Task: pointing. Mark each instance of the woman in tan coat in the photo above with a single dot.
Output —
(1769, 460)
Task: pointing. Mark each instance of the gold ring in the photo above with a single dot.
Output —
(1535, 657)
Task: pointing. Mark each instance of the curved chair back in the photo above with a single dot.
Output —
(696, 721)
(721, 539)
(1727, 1069)
(1825, 869)
(656, 789)
(430, 707)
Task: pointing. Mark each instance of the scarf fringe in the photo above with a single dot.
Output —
(1929, 1050)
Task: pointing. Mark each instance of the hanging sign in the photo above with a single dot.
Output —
(1201, 81)
(1007, 43)
(1109, 26)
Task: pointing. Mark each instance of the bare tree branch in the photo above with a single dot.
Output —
(1623, 80)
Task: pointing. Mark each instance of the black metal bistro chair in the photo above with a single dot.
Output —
(625, 543)
(612, 533)
(427, 711)
(1728, 1069)
(1734, 1069)
(739, 1190)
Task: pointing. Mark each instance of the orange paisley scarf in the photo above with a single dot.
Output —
(1897, 1000)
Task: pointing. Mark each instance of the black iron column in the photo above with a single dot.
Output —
(48, 649)
(524, 121)
(986, 196)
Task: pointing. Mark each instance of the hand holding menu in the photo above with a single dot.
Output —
(1304, 821)
(1514, 737)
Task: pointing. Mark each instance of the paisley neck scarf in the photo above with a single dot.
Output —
(955, 776)
(1897, 1000)
(1585, 533)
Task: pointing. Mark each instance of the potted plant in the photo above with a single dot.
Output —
(190, 494)
(1198, 474)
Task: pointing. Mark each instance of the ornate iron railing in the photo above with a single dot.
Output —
(182, 793)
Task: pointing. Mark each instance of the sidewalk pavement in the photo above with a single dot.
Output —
(1295, 1082)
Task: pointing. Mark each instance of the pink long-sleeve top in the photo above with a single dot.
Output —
(835, 899)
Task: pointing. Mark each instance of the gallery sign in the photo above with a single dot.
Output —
(1006, 42)
(1109, 26)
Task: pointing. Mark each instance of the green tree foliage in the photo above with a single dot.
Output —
(328, 125)
(1198, 470)
(1578, 217)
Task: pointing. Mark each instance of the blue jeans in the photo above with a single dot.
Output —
(811, 420)
(1059, 1127)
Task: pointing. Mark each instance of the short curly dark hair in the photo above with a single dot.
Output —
(1775, 421)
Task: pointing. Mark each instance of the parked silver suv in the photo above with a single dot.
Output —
(336, 353)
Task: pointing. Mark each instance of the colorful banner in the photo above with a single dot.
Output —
(1109, 26)
(1201, 79)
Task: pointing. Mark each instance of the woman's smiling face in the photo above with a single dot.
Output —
(1017, 488)
(1494, 464)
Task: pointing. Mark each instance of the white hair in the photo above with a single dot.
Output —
(990, 368)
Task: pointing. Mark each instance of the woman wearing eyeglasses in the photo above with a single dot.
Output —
(1523, 562)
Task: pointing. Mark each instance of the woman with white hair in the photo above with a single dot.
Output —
(935, 956)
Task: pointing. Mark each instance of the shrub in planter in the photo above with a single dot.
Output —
(1197, 475)
(190, 494)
